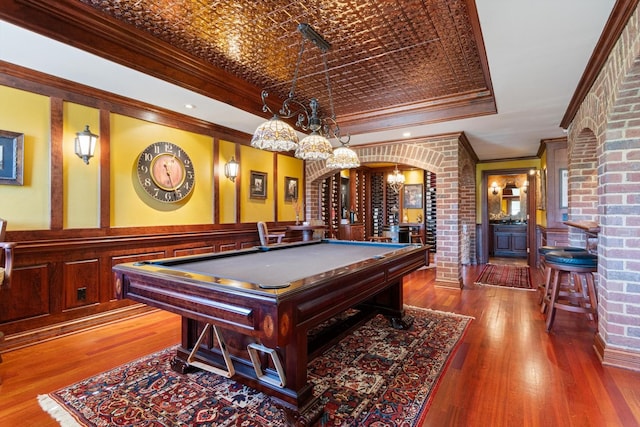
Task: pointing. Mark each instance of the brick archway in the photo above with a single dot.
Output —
(442, 155)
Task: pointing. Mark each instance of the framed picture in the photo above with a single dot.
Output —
(258, 185)
(290, 189)
(11, 157)
(564, 188)
(412, 196)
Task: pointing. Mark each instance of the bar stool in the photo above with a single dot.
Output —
(580, 295)
(545, 287)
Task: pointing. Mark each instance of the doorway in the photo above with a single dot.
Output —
(508, 217)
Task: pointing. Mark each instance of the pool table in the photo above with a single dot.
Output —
(247, 314)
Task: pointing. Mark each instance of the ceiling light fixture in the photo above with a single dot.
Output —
(277, 135)
(395, 180)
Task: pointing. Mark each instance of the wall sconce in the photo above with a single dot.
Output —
(85, 144)
(231, 169)
(495, 188)
(525, 186)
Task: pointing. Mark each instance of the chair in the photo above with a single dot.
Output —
(265, 237)
(318, 233)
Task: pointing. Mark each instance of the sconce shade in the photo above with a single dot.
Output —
(85, 144)
(314, 147)
(231, 169)
(275, 135)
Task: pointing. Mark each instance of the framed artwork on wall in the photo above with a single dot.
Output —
(290, 189)
(258, 185)
(11, 157)
(412, 196)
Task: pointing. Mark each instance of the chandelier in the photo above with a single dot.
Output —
(395, 180)
(276, 135)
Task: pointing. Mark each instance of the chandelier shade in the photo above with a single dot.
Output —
(314, 147)
(343, 158)
(275, 135)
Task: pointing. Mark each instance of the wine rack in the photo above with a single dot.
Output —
(430, 209)
(372, 203)
(392, 206)
(330, 206)
(377, 203)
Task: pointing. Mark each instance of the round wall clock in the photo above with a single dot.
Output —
(165, 172)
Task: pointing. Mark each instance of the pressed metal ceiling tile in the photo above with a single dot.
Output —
(384, 53)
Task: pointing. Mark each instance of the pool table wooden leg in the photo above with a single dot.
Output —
(404, 322)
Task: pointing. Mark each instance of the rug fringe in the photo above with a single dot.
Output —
(57, 412)
(451, 313)
(504, 287)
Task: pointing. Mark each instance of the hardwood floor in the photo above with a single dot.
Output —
(507, 372)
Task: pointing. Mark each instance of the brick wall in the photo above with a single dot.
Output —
(604, 173)
(442, 155)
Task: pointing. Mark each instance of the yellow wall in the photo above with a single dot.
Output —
(227, 187)
(512, 164)
(81, 182)
(130, 205)
(27, 207)
(254, 210)
(293, 168)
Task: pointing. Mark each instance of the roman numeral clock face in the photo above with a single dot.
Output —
(165, 172)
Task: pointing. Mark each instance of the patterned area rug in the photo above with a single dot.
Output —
(374, 376)
(509, 276)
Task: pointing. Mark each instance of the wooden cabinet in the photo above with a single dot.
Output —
(509, 240)
(352, 232)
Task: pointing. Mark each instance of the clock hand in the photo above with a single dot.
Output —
(169, 176)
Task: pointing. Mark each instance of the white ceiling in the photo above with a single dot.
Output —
(537, 51)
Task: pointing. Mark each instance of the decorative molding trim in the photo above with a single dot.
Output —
(619, 358)
(73, 326)
(622, 11)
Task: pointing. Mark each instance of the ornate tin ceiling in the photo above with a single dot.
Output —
(403, 56)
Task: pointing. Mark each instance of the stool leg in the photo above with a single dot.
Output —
(545, 290)
(552, 297)
(593, 296)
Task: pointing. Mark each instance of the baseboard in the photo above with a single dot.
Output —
(448, 284)
(49, 332)
(616, 357)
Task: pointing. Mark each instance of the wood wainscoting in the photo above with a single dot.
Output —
(62, 285)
